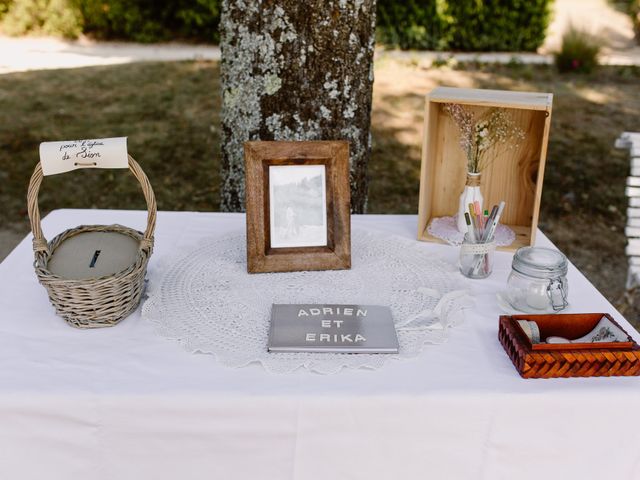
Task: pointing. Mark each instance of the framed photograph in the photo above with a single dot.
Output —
(298, 206)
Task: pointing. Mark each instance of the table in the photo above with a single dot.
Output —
(124, 403)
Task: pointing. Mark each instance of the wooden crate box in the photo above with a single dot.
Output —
(514, 175)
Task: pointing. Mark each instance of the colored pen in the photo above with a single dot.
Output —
(472, 235)
(485, 217)
(488, 234)
(492, 215)
(472, 215)
(477, 211)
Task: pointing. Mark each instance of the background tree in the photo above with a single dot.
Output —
(295, 70)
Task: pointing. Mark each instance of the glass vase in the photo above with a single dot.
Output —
(470, 194)
(476, 258)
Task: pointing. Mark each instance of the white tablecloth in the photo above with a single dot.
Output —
(123, 403)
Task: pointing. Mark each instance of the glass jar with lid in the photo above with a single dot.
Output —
(538, 280)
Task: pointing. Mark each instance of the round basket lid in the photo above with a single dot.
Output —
(93, 255)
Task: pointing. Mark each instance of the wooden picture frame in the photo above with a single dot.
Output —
(296, 251)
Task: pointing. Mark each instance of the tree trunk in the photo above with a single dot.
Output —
(296, 70)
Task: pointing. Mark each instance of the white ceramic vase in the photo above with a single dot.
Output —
(470, 194)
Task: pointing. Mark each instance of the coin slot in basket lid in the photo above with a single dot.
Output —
(93, 255)
(96, 254)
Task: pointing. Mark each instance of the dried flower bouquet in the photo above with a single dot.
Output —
(481, 138)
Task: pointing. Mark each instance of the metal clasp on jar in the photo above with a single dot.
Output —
(557, 294)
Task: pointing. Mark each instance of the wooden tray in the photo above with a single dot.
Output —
(514, 175)
(567, 360)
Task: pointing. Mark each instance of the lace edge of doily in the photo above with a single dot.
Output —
(453, 316)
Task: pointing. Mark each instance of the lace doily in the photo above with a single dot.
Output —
(446, 228)
(208, 302)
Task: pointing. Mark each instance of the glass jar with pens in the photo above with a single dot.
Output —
(476, 252)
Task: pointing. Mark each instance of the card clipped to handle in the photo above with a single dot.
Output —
(60, 157)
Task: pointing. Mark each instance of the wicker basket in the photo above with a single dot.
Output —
(93, 302)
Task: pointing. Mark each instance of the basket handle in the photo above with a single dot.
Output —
(40, 243)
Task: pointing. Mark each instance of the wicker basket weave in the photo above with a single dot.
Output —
(93, 302)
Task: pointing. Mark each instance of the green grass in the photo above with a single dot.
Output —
(170, 112)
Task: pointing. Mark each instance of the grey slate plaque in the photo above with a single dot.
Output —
(332, 328)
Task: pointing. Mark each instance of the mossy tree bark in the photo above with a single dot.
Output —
(296, 70)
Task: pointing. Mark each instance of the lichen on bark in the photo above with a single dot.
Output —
(296, 70)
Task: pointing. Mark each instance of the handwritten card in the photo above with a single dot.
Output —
(60, 157)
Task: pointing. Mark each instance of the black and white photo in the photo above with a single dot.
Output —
(297, 206)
